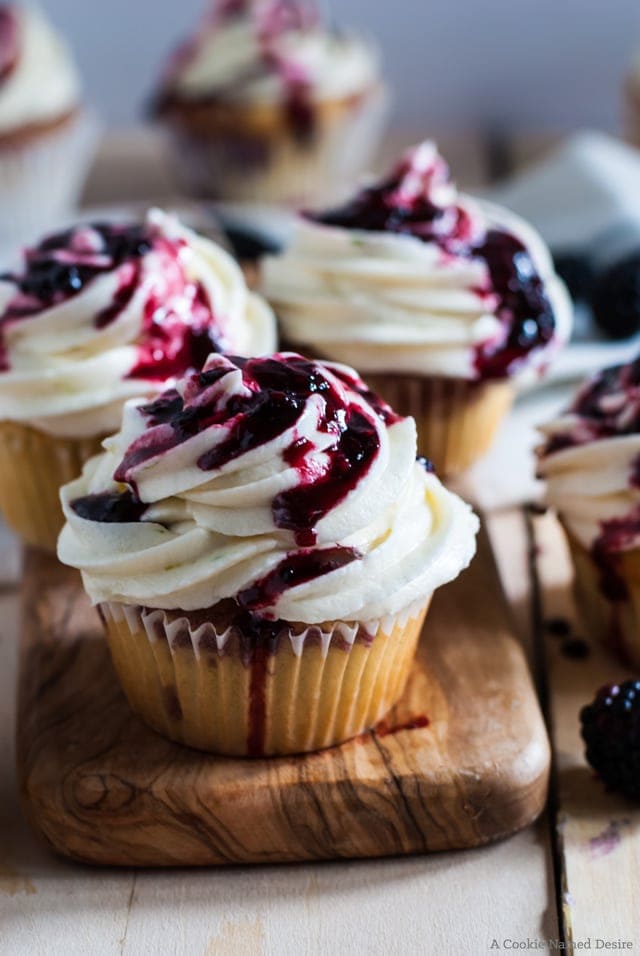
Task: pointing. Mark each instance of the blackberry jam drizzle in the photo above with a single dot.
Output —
(273, 395)
(179, 330)
(395, 206)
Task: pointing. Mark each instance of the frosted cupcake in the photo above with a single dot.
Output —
(267, 104)
(263, 546)
(591, 464)
(96, 315)
(440, 301)
(46, 136)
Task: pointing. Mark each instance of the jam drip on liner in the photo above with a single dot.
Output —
(607, 406)
(179, 329)
(274, 395)
(407, 203)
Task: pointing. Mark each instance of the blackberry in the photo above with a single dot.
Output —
(611, 731)
(576, 271)
(615, 299)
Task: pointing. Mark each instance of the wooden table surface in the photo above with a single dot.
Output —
(572, 876)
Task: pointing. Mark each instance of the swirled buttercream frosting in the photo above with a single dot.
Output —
(410, 276)
(591, 462)
(104, 312)
(280, 483)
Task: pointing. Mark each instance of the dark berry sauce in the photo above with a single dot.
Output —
(9, 41)
(178, 327)
(274, 394)
(396, 205)
(383, 729)
(266, 400)
(605, 407)
(295, 569)
(616, 535)
(110, 507)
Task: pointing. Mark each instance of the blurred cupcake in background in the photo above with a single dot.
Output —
(441, 302)
(46, 135)
(591, 464)
(266, 103)
(94, 316)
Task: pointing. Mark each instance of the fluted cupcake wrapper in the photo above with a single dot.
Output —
(222, 691)
(41, 179)
(608, 597)
(34, 467)
(457, 420)
(272, 166)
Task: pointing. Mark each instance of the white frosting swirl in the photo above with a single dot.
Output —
(43, 84)
(213, 534)
(256, 53)
(591, 462)
(68, 376)
(589, 485)
(385, 301)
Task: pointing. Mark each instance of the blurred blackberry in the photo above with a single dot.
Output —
(249, 245)
(615, 299)
(611, 731)
(575, 270)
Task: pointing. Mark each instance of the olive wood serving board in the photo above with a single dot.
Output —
(463, 759)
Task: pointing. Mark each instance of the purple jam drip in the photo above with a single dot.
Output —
(523, 306)
(607, 406)
(110, 507)
(616, 535)
(301, 113)
(179, 331)
(55, 272)
(295, 569)
(277, 390)
(299, 509)
(9, 41)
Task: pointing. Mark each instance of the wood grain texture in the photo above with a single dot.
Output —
(102, 787)
(597, 832)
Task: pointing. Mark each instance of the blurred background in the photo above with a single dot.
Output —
(545, 66)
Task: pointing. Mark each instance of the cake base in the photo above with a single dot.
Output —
(463, 759)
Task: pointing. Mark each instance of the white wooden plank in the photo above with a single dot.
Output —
(443, 904)
(47, 906)
(598, 831)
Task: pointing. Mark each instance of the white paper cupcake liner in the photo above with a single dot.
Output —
(615, 623)
(228, 693)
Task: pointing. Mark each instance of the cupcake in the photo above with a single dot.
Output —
(46, 136)
(263, 545)
(96, 315)
(441, 302)
(267, 104)
(632, 102)
(591, 464)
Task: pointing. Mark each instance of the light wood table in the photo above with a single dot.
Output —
(543, 884)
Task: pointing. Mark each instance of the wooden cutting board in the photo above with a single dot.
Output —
(462, 760)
